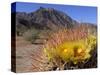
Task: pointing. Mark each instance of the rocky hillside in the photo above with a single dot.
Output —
(46, 18)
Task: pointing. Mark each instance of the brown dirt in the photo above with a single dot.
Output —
(24, 50)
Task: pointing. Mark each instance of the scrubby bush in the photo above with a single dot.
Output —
(31, 34)
(34, 34)
(20, 29)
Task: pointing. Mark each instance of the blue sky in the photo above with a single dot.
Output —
(78, 13)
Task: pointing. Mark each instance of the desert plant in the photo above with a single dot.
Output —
(31, 34)
(20, 29)
(73, 45)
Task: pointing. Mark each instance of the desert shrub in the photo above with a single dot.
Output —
(38, 35)
(31, 34)
(73, 45)
(20, 29)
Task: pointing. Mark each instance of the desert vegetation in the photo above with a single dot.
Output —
(70, 46)
(49, 40)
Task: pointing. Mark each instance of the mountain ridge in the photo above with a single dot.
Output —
(46, 18)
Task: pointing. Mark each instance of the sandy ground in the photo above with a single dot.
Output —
(24, 51)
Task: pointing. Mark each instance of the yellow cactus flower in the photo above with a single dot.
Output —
(71, 45)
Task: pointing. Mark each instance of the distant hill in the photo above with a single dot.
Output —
(46, 18)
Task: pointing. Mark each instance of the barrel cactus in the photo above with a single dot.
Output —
(71, 45)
